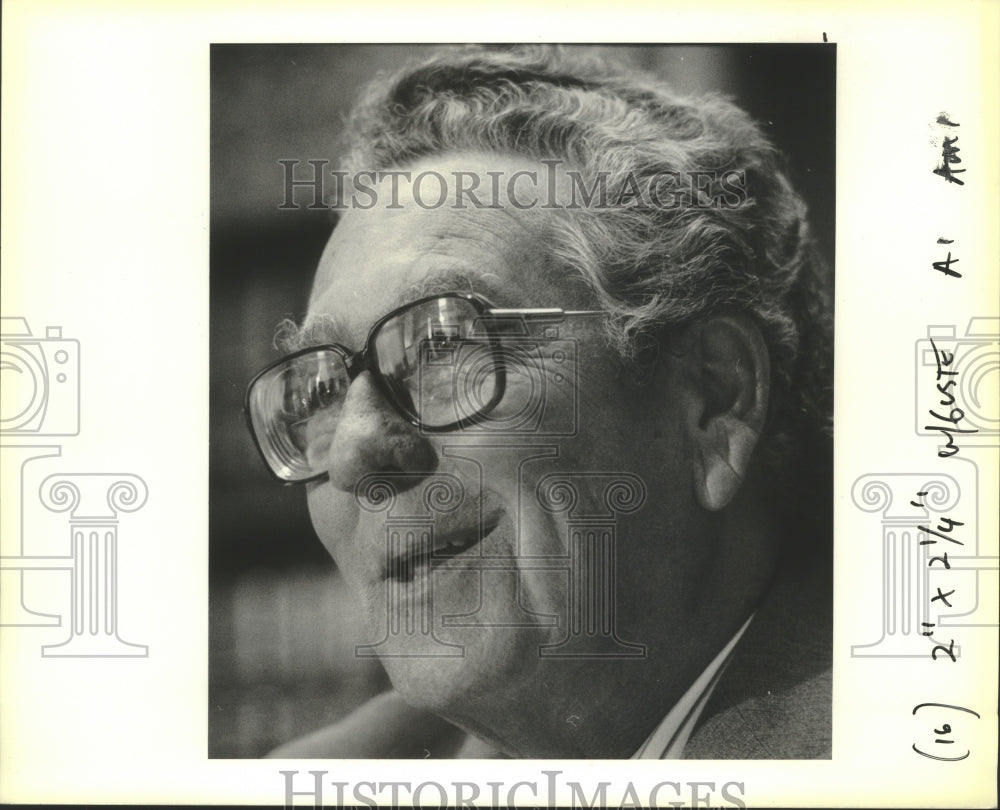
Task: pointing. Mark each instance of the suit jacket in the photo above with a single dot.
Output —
(772, 702)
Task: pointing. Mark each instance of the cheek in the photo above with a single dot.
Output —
(334, 519)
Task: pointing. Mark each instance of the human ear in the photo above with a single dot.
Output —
(729, 373)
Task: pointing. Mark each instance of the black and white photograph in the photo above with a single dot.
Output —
(555, 396)
(509, 405)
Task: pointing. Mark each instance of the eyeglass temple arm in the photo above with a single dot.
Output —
(540, 313)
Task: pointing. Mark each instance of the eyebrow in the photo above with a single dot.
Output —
(325, 328)
(486, 284)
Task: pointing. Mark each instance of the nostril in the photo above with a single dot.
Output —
(371, 438)
(404, 456)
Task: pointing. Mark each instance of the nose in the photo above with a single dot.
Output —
(371, 436)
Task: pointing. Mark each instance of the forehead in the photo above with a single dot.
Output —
(405, 246)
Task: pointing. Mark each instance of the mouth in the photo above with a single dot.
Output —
(420, 554)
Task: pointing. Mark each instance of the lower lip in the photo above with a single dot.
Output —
(418, 566)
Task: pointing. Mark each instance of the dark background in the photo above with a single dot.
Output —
(281, 624)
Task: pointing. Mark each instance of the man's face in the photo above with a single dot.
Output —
(544, 644)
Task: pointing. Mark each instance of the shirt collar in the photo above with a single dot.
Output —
(669, 738)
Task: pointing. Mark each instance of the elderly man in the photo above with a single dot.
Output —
(561, 404)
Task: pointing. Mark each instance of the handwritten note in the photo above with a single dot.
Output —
(939, 535)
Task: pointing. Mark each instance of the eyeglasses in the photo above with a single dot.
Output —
(445, 362)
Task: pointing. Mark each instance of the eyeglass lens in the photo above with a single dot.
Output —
(436, 366)
(433, 358)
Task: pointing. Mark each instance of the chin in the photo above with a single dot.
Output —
(432, 684)
(491, 663)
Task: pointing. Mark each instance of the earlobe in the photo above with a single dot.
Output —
(731, 382)
(722, 461)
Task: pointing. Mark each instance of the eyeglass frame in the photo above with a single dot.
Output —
(366, 359)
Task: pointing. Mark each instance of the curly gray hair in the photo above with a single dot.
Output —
(652, 268)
